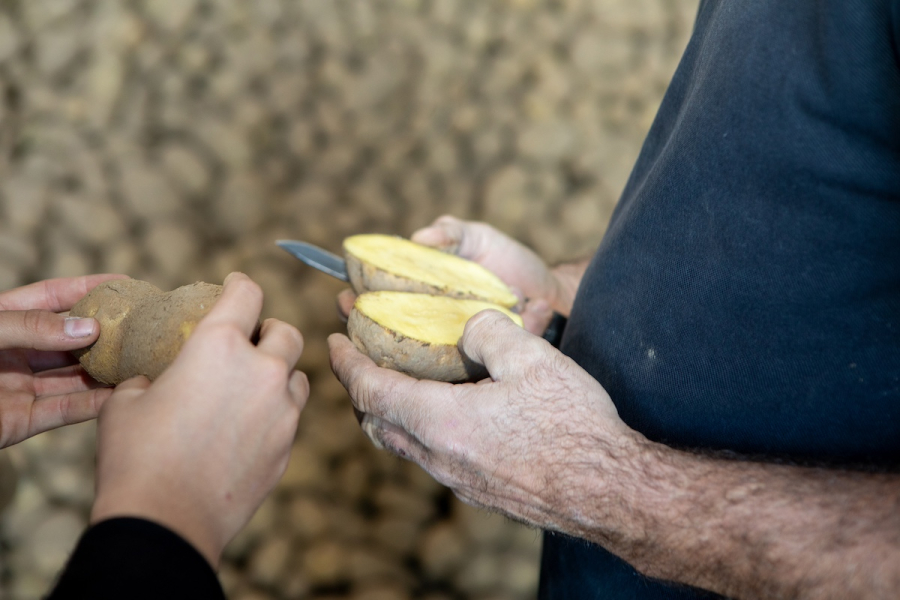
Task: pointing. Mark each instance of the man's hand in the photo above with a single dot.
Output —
(200, 448)
(542, 290)
(541, 442)
(520, 268)
(41, 385)
(505, 442)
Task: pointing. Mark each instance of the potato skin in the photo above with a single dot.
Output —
(438, 362)
(142, 328)
(365, 277)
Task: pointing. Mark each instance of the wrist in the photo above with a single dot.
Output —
(652, 496)
(566, 278)
(629, 487)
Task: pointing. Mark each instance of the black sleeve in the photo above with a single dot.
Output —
(136, 559)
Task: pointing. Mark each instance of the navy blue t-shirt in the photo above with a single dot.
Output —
(746, 296)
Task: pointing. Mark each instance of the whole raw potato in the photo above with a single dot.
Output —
(142, 328)
(417, 334)
(377, 262)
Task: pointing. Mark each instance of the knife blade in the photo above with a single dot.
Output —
(319, 258)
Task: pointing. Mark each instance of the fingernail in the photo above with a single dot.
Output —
(77, 327)
(370, 426)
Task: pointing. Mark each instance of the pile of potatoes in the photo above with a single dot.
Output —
(411, 308)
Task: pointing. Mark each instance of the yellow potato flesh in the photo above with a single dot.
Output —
(413, 261)
(432, 319)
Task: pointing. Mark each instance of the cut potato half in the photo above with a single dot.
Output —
(417, 334)
(378, 262)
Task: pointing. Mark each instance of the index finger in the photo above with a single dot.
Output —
(240, 304)
(56, 295)
(391, 396)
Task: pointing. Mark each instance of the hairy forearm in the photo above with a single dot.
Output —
(744, 529)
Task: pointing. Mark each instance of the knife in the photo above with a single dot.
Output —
(336, 266)
(317, 257)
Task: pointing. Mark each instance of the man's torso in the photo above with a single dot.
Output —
(746, 296)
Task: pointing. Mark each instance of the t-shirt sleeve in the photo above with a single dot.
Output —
(136, 559)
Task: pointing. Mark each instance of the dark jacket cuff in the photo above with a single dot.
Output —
(136, 559)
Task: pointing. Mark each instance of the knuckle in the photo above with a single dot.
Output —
(34, 320)
(251, 287)
(278, 327)
(538, 353)
(486, 318)
(65, 410)
(367, 398)
(226, 338)
(294, 334)
(37, 325)
(265, 327)
(300, 389)
(274, 368)
(226, 333)
(544, 371)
